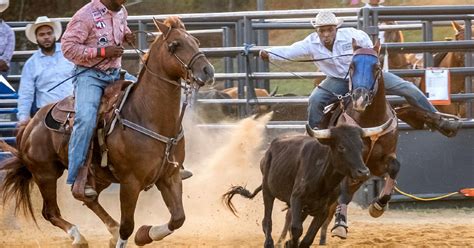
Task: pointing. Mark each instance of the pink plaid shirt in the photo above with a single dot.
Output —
(94, 26)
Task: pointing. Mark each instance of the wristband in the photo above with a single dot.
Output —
(101, 51)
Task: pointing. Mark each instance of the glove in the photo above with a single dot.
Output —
(264, 55)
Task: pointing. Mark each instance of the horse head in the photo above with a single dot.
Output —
(364, 74)
(178, 53)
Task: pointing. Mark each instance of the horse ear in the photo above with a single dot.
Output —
(377, 46)
(160, 26)
(456, 26)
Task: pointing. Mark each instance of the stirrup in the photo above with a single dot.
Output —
(90, 192)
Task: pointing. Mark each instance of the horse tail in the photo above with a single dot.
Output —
(227, 197)
(18, 179)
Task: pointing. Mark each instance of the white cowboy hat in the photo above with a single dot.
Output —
(4, 5)
(326, 18)
(368, 1)
(42, 21)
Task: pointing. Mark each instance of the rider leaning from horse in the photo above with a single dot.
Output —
(96, 33)
(330, 41)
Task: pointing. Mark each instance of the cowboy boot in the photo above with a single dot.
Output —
(448, 128)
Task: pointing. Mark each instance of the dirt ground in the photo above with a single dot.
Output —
(219, 160)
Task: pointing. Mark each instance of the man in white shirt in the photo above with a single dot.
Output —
(330, 42)
(44, 70)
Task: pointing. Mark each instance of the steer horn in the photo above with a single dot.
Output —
(319, 134)
(370, 131)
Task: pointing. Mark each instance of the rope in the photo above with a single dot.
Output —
(425, 199)
(308, 60)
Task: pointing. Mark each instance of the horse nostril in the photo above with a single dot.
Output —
(208, 71)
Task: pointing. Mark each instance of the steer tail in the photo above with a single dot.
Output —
(17, 182)
(227, 197)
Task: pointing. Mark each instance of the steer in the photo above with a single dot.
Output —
(304, 172)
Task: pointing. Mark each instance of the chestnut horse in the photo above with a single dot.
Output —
(397, 60)
(139, 161)
(368, 107)
(454, 59)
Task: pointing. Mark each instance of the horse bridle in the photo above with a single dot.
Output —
(378, 73)
(189, 78)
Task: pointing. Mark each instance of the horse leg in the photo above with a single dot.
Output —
(110, 223)
(171, 190)
(285, 227)
(47, 186)
(378, 207)
(268, 201)
(347, 190)
(316, 223)
(129, 193)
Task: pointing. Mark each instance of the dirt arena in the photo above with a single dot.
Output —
(220, 160)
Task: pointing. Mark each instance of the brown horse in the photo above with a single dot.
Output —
(397, 60)
(453, 59)
(138, 160)
(368, 108)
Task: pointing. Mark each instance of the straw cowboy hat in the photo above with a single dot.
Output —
(326, 18)
(42, 21)
(368, 1)
(4, 5)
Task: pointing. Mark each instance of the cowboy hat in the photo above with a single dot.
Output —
(326, 18)
(4, 5)
(368, 1)
(42, 21)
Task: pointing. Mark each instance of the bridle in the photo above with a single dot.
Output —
(189, 78)
(378, 73)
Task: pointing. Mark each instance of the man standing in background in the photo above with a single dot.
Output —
(45, 69)
(7, 41)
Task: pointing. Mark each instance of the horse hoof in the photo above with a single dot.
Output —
(339, 232)
(375, 210)
(142, 237)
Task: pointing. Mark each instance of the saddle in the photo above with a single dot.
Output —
(60, 118)
(61, 115)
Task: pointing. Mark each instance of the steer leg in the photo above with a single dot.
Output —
(315, 225)
(377, 208)
(268, 200)
(296, 229)
(324, 227)
(286, 226)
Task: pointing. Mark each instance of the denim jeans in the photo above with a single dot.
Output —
(394, 85)
(88, 89)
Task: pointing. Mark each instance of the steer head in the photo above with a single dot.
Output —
(346, 146)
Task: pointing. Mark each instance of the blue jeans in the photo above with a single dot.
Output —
(88, 89)
(394, 85)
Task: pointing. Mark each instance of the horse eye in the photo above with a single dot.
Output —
(172, 46)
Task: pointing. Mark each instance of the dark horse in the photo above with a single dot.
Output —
(137, 159)
(368, 107)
